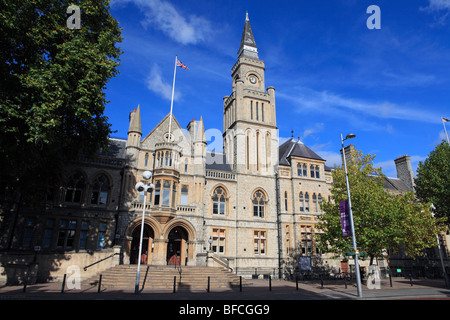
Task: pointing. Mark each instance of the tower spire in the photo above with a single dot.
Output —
(248, 45)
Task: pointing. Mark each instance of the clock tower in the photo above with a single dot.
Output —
(249, 117)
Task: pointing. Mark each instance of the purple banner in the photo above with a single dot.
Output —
(345, 218)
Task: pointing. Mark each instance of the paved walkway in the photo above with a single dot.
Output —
(257, 290)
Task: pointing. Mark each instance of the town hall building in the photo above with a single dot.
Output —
(250, 208)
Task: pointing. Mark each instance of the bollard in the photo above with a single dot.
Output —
(209, 279)
(99, 284)
(345, 281)
(410, 280)
(63, 283)
(270, 283)
(321, 282)
(390, 280)
(174, 283)
(240, 283)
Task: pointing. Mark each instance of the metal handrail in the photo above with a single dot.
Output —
(90, 265)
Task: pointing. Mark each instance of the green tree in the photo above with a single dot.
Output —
(432, 183)
(52, 82)
(382, 220)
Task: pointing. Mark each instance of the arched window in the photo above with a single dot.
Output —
(257, 149)
(219, 201)
(166, 193)
(305, 170)
(299, 170)
(312, 171)
(184, 195)
(319, 199)
(157, 193)
(247, 149)
(258, 202)
(285, 201)
(75, 188)
(306, 202)
(315, 205)
(268, 151)
(166, 163)
(146, 160)
(317, 172)
(100, 190)
(301, 198)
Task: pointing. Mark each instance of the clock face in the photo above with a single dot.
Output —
(252, 79)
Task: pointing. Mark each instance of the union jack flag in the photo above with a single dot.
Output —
(182, 65)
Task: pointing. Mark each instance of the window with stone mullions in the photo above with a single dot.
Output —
(258, 204)
(218, 201)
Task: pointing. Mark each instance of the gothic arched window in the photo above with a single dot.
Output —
(219, 201)
(75, 188)
(306, 202)
(301, 198)
(100, 190)
(258, 202)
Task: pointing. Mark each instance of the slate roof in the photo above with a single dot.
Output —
(395, 184)
(292, 148)
(116, 149)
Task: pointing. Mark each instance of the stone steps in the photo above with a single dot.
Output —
(162, 277)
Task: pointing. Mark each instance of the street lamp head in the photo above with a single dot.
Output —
(147, 175)
(140, 186)
(350, 136)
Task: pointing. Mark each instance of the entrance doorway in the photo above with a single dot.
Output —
(177, 246)
(147, 245)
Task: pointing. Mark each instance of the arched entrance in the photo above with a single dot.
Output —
(177, 246)
(147, 245)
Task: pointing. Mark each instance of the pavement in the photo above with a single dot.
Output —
(259, 299)
(261, 290)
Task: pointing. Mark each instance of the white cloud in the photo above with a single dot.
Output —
(318, 127)
(164, 16)
(437, 7)
(310, 100)
(439, 4)
(332, 158)
(156, 84)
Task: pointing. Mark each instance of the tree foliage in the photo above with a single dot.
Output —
(382, 220)
(52, 82)
(433, 180)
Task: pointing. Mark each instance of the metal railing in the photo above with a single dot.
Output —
(108, 257)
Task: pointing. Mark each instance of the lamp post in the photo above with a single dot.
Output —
(358, 275)
(444, 272)
(140, 186)
(210, 241)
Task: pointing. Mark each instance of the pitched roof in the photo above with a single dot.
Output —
(292, 148)
(395, 184)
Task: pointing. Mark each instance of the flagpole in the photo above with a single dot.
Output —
(443, 123)
(171, 102)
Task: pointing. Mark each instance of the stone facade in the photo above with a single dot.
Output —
(251, 208)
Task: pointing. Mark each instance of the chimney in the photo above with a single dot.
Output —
(348, 154)
(404, 170)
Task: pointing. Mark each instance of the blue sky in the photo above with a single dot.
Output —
(332, 74)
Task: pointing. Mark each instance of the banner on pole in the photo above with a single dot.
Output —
(345, 218)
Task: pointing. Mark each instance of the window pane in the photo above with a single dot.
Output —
(103, 197)
(166, 197)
